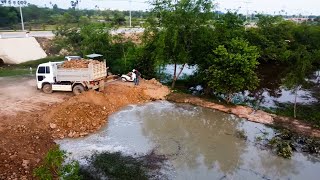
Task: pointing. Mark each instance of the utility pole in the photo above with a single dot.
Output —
(21, 15)
(130, 13)
(247, 8)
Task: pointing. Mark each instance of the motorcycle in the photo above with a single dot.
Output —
(127, 77)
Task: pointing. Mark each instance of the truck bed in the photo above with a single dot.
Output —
(92, 73)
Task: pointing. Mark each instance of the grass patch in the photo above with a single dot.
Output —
(23, 68)
(308, 113)
(13, 72)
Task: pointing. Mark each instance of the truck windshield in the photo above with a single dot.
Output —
(42, 70)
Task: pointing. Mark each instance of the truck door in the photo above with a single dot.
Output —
(44, 74)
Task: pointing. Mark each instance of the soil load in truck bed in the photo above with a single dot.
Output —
(83, 63)
(81, 70)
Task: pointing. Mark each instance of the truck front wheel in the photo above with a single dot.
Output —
(78, 89)
(47, 88)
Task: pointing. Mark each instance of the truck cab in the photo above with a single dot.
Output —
(45, 73)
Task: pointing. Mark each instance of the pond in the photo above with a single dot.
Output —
(200, 143)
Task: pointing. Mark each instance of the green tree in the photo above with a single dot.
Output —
(83, 20)
(95, 39)
(106, 15)
(206, 38)
(233, 68)
(119, 18)
(228, 26)
(66, 19)
(173, 25)
(271, 37)
(300, 66)
(8, 16)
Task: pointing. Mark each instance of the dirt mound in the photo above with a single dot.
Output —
(154, 81)
(88, 112)
(83, 63)
(152, 88)
(23, 145)
(47, 45)
(155, 89)
(133, 37)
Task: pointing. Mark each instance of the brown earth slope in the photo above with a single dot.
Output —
(27, 136)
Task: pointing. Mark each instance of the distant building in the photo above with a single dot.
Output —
(300, 20)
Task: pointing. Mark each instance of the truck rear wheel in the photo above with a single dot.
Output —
(78, 89)
(47, 88)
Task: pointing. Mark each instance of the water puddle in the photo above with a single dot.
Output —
(200, 143)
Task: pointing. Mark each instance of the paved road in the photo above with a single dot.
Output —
(50, 33)
(23, 34)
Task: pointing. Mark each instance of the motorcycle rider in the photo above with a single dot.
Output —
(137, 77)
(134, 76)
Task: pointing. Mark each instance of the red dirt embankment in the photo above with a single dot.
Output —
(27, 137)
(249, 114)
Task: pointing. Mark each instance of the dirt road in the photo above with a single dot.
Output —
(24, 140)
(20, 94)
(31, 120)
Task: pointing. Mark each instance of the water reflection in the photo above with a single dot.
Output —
(189, 132)
(200, 143)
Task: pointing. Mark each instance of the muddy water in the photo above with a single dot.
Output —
(200, 143)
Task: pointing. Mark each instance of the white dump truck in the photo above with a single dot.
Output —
(52, 76)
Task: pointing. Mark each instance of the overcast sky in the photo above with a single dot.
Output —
(265, 6)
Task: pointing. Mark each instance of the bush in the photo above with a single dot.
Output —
(115, 166)
(53, 167)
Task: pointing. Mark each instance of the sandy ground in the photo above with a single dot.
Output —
(20, 94)
(24, 139)
(30, 120)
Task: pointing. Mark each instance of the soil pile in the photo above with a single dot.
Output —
(23, 145)
(133, 37)
(154, 81)
(47, 45)
(83, 63)
(88, 112)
